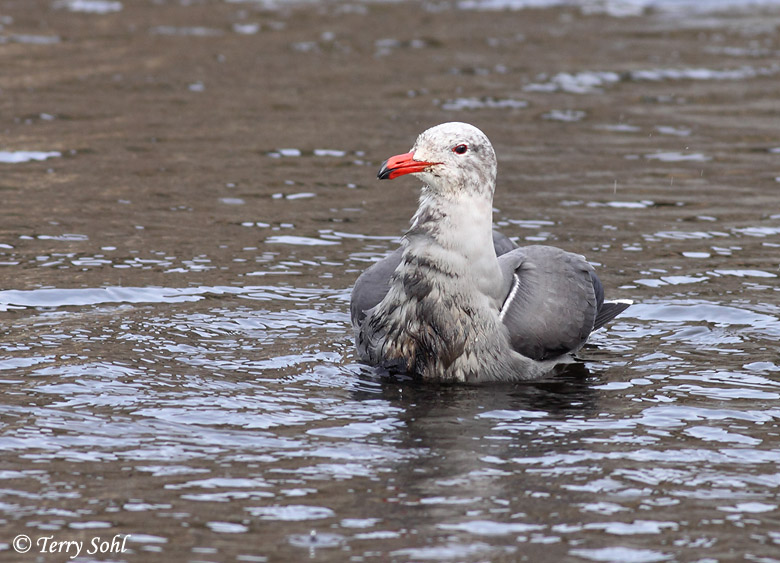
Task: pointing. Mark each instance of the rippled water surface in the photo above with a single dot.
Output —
(188, 195)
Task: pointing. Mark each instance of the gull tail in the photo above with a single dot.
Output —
(609, 310)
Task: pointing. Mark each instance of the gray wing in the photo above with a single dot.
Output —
(373, 284)
(502, 243)
(552, 301)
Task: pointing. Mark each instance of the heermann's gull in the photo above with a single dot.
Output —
(459, 301)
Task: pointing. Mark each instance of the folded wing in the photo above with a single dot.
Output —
(552, 303)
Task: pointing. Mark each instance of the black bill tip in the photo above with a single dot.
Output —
(384, 172)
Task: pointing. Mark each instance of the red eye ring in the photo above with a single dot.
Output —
(460, 149)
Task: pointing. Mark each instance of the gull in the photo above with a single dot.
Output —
(460, 302)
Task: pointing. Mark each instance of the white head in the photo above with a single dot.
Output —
(450, 158)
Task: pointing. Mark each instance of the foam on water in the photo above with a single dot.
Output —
(16, 157)
(185, 31)
(623, 8)
(568, 115)
(625, 554)
(594, 82)
(299, 241)
(34, 39)
(678, 157)
(90, 6)
(459, 104)
(56, 298)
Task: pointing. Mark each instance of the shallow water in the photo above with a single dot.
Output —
(188, 194)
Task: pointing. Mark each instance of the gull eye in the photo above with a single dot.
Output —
(460, 149)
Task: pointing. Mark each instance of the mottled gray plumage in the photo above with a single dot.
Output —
(459, 301)
(374, 283)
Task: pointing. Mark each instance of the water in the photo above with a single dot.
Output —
(189, 192)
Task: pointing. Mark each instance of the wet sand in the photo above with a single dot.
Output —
(217, 174)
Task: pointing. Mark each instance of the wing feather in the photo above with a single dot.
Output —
(372, 286)
(551, 306)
